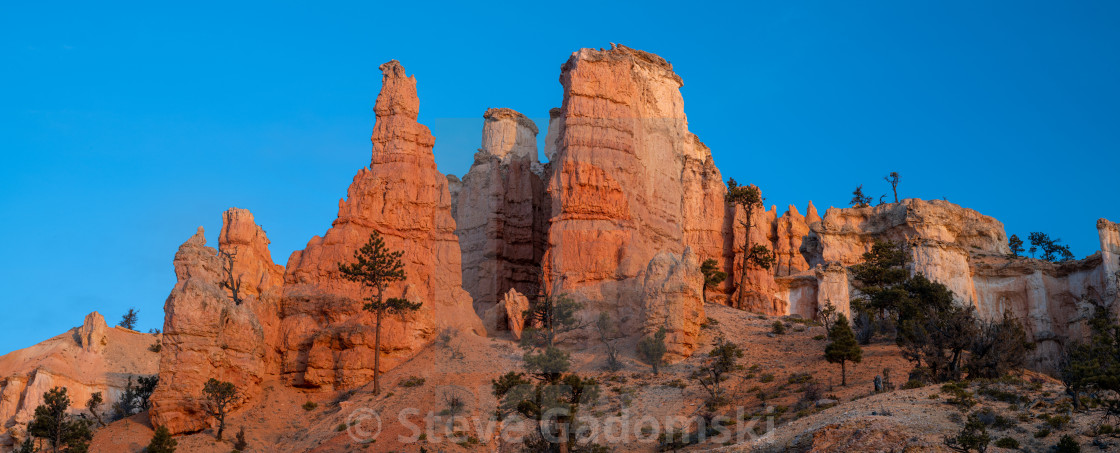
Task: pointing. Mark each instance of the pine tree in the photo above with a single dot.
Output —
(93, 405)
(651, 349)
(749, 198)
(844, 348)
(218, 397)
(128, 321)
(61, 431)
(240, 444)
(712, 277)
(1015, 244)
(859, 200)
(162, 441)
(375, 266)
(892, 179)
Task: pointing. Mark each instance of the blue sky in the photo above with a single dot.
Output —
(126, 126)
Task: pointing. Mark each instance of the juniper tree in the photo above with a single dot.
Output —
(162, 441)
(607, 332)
(712, 277)
(128, 321)
(844, 348)
(1094, 364)
(859, 200)
(651, 349)
(998, 348)
(722, 360)
(375, 267)
(892, 179)
(547, 317)
(218, 396)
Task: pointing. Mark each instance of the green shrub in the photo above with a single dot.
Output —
(1042, 433)
(912, 384)
(412, 381)
(310, 406)
(800, 378)
(778, 328)
(820, 337)
(766, 378)
(1066, 445)
(1008, 442)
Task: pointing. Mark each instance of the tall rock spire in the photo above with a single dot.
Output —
(405, 198)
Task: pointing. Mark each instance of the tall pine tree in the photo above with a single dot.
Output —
(844, 348)
(375, 267)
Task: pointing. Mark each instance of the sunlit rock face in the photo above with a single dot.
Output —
(628, 180)
(502, 214)
(207, 332)
(327, 338)
(85, 360)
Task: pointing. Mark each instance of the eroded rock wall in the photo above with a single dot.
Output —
(628, 180)
(502, 217)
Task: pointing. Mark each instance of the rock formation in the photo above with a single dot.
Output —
(671, 299)
(87, 359)
(628, 180)
(401, 195)
(502, 214)
(206, 333)
(508, 315)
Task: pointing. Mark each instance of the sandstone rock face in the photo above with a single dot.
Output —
(671, 299)
(246, 241)
(93, 334)
(508, 315)
(206, 334)
(327, 341)
(628, 180)
(87, 359)
(502, 213)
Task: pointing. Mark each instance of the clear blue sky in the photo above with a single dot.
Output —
(126, 126)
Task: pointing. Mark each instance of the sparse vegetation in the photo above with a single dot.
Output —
(162, 442)
(749, 198)
(239, 442)
(310, 406)
(777, 328)
(230, 281)
(548, 317)
(411, 381)
(844, 348)
(607, 332)
(93, 405)
(712, 277)
(974, 436)
(722, 360)
(60, 430)
(651, 349)
(218, 396)
(1016, 245)
(859, 200)
(1052, 248)
(135, 398)
(892, 179)
(375, 266)
(128, 321)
